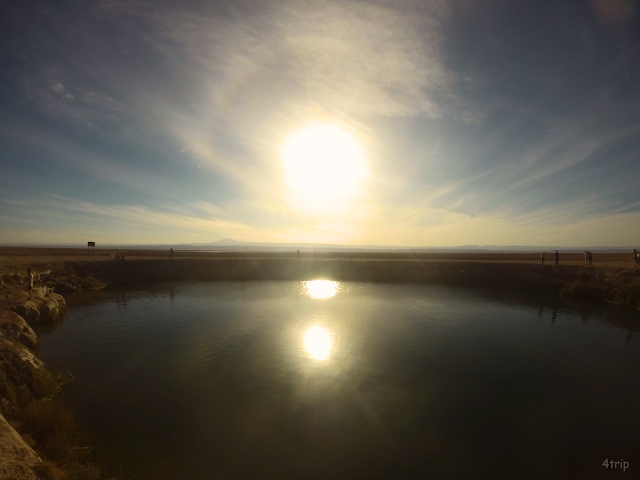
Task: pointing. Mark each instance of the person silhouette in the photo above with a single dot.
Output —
(29, 281)
(298, 254)
(542, 258)
(171, 253)
(557, 255)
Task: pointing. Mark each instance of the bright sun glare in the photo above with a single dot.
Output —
(318, 342)
(321, 288)
(324, 162)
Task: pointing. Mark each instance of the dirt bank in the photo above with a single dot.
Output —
(611, 278)
(30, 256)
(610, 284)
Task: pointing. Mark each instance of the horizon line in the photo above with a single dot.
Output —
(253, 245)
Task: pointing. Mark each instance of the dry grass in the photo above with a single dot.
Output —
(83, 471)
(55, 430)
(10, 394)
(46, 385)
(49, 471)
(72, 471)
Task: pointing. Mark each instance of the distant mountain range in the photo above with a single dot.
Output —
(231, 244)
(228, 242)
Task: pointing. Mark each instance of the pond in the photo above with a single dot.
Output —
(319, 380)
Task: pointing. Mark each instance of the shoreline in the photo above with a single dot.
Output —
(606, 281)
(24, 379)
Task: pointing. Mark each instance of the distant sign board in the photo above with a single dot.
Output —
(91, 244)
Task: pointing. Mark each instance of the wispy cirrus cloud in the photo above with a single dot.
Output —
(481, 120)
(203, 221)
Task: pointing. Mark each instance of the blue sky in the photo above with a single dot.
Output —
(482, 122)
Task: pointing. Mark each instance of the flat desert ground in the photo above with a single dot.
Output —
(46, 255)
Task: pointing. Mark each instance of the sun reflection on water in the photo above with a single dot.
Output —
(318, 342)
(321, 288)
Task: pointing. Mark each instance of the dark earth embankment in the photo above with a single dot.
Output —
(614, 285)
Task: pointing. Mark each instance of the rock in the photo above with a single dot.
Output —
(22, 369)
(28, 310)
(53, 308)
(14, 327)
(40, 291)
(42, 308)
(49, 311)
(64, 287)
(17, 459)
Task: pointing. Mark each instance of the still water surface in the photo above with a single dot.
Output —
(326, 380)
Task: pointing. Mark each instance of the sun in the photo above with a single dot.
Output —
(324, 162)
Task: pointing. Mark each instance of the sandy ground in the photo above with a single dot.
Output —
(30, 256)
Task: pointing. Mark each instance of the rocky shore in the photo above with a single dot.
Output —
(24, 379)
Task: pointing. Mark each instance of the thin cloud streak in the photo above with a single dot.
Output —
(170, 115)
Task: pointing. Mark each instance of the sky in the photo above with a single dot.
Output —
(502, 122)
